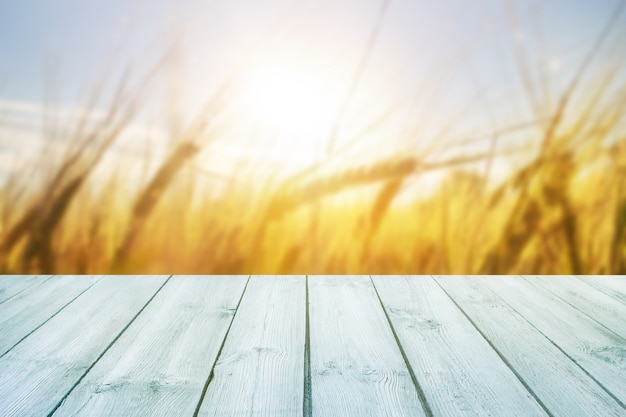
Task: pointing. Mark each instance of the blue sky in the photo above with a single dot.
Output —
(81, 35)
(73, 41)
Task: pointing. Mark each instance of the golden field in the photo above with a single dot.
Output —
(560, 209)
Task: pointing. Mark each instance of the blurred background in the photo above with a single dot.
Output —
(294, 136)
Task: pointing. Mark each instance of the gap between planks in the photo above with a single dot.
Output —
(307, 402)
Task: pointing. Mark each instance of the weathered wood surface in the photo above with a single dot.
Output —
(37, 374)
(458, 371)
(12, 285)
(312, 346)
(613, 285)
(595, 348)
(357, 367)
(159, 366)
(594, 303)
(261, 367)
(558, 383)
(26, 311)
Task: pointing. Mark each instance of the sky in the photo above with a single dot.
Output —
(428, 62)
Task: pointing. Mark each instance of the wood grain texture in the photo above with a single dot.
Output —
(357, 368)
(563, 387)
(21, 314)
(260, 371)
(587, 299)
(598, 350)
(159, 366)
(459, 372)
(40, 371)
(11, 285)
(613, 285)
(159, 346)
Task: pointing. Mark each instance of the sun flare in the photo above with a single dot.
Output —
(292, 99)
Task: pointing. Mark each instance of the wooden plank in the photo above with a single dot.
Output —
(561, 385)
(260, 371)
(11, 285)
(598, 350)
(357, 368)
(587, 299)
(37, 374)
(29, 309)
(458, 371)
(159, 366)
(613, 285)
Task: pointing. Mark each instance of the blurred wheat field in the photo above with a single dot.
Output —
(81, 204)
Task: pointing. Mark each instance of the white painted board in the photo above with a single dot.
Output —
(11, 285)
(37, 374)
(613, 285)
(159, 366)
(29, 309)
(597, 349)
(459, 372)
(561, 385)
(357, 368)
(587, 299)
(260, 371)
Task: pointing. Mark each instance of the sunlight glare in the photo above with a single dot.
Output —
(292, 99)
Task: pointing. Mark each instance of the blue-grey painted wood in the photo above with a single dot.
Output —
(598, 350)
(11, 285)
(613, 285)
(459, 372)
(587, 299)
(29, 309)
(146, 345)
(562, 386)
(357, 368)
(159, 366)
(260, 371)
(37, 374)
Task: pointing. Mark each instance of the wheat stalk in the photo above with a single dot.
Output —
(290, 196)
